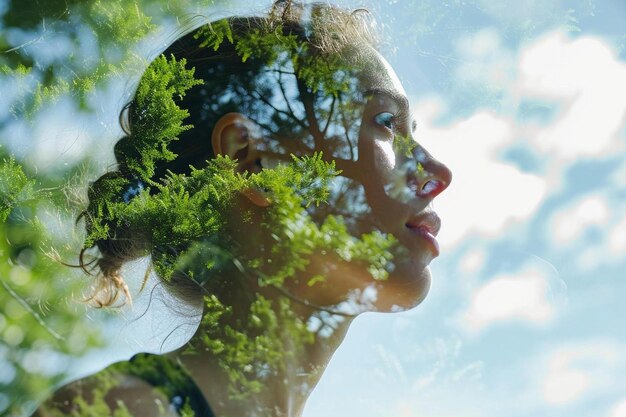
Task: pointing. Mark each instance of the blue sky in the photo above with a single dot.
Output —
(526, 102)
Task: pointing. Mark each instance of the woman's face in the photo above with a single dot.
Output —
(387, 183)
(400, 179)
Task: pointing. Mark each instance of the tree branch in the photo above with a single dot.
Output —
(32, 312)
(330, 115)
(309, 110)
(259, 96)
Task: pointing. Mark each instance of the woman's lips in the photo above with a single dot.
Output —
(426, 225)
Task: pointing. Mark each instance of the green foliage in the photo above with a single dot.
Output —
(372, 250)
(252, 349)
(40, 321)
(309, 176)
(296, 236)
(404, 145)
(98, 395)
(166, 376)
(188, 208)
(15, 186)
(158, 120)
(95, 404)
(275, 48)
(107, 190)
(20, 70)
(330, 75)
(119, 20)
(214, 34)
(187, 411)
(114, 26)
(268, 45)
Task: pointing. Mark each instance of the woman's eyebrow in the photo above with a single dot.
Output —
(400, 99)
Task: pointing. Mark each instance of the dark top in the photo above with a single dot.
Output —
(169, 378)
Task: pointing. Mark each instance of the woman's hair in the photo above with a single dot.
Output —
(231, 83)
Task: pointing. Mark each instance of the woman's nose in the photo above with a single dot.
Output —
(430, 177)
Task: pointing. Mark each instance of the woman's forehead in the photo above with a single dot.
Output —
(377, 73)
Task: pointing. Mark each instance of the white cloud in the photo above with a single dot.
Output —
(587, 83)
(585, 78)
(620, 409)
(576, 371)
(569, 224)
(565, 385)
(473, 261)
(486, 194)
(522, 296)
(617, 238)
(598, 212)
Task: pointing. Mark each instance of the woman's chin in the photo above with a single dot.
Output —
(405, 288)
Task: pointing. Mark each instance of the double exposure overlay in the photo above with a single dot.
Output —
(237, 207)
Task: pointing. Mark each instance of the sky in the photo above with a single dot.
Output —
(526, 103)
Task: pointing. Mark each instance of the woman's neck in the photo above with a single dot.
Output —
(296, 349)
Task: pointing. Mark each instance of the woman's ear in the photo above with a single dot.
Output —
(234, 136)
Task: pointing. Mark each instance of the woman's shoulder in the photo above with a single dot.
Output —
(145, 385)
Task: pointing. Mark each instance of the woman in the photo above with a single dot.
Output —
(294, 198)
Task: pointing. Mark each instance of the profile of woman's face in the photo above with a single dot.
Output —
(387, 183)
(400, 179)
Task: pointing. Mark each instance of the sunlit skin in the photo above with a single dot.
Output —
(394, 191)
(406, 214)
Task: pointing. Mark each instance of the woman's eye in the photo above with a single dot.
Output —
(385, 119)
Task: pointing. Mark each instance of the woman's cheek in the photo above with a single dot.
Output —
(384, 159)
(391, 172)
